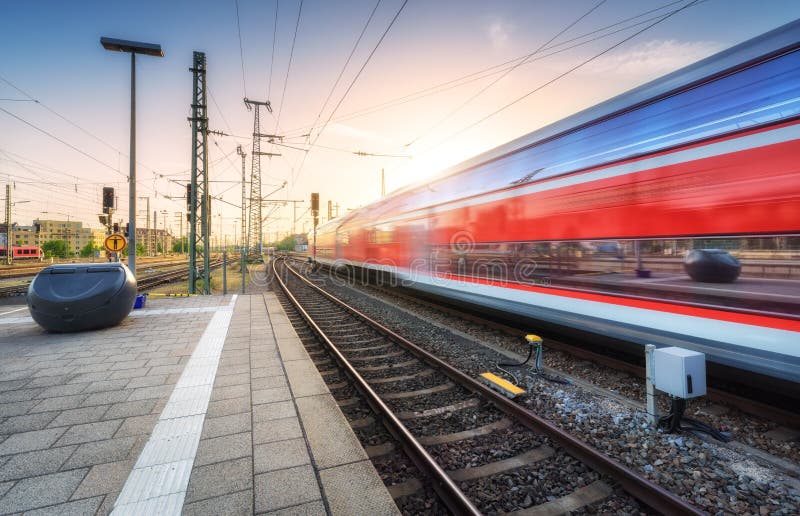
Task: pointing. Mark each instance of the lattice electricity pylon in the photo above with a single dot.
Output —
(199, 240)
(254, 233)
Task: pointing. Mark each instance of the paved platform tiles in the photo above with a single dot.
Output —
(203, 405)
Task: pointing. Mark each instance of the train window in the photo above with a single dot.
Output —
(382, 234)
(343, 238)
(643, 269)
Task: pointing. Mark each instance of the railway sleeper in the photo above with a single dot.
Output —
(422, 392)
(402, 378)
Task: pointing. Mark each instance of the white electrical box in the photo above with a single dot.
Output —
(680, 372)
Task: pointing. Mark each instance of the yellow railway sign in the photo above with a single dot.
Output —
(115, 243)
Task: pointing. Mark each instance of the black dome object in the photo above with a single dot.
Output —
(77, 297)
(712, 266)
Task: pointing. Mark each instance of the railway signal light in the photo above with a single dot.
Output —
(188, 197)
(314, 204)
(108, 199)
(127, 229)
(116, 227)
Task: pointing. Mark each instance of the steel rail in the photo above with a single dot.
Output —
(32, 270)
(143, 283)
(165, 277)
(452, 496)
(648, 492)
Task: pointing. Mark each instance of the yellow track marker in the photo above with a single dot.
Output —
(505, 387)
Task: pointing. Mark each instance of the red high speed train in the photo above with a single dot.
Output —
(582, 225)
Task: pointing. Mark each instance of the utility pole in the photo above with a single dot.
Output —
(294, 216)
(148, 247)
(244, 194)
(199, 185)
(330, 209)
(254, 225)
(180, 222)
(9, 231)
(315, 215)
(337, 208)
(383, 184)
(154, 235)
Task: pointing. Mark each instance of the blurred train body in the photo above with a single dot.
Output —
(560, 225)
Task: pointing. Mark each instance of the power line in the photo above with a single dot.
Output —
(59, 115)
(560, 76)
(241, 50)
(272, 59)
(352, 83)
(495, 69)
(502, 76)
(346, 63)
(80, 128)
(288, 68)
(62, 141)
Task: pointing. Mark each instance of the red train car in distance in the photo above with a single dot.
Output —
(23, 252)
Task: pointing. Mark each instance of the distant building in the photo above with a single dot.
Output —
(71, 231)
(23, 235)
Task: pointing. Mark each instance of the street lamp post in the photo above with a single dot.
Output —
(150, 49)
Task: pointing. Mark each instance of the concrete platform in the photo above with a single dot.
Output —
(202, 405)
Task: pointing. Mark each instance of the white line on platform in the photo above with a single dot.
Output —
(16, 320)
(135, 313)
(158, 482)
(12, 311)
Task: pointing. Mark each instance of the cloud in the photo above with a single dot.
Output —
(498, 33)
(355, 133)
(653, 57)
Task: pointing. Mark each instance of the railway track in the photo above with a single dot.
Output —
(155, 280)
(144, 282)
(480, 451)
(758, 404)
(31, 270)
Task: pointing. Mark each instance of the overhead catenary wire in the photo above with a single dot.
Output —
(558, 77)
(503, 75)
(51, 135)
(346, 63)
(288, 68)
(272, 58)
(495, 69)
(83, 130)
(350, 86)
(241, 49)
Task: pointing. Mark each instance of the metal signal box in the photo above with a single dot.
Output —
(680, 372)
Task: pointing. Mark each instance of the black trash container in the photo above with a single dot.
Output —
(712, 266)
(77, 297)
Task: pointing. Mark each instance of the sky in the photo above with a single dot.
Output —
(415, 98)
